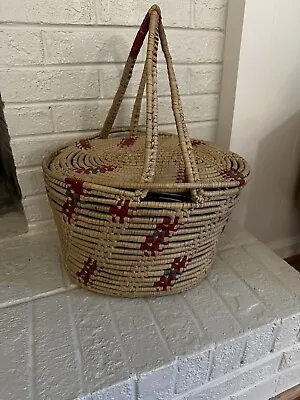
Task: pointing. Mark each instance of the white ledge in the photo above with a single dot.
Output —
(235, 336)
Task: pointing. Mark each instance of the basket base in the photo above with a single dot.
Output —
(130, 293)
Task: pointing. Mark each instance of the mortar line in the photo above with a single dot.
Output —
(24, 300)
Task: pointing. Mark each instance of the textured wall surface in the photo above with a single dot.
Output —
(234, 337)
(60, 64)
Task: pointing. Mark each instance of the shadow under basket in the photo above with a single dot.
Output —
(140, 213)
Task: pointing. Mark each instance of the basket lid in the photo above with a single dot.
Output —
(118, 162)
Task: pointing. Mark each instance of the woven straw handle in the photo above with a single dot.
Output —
(152, 23)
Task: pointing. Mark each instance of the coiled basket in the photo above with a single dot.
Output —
(139, 212)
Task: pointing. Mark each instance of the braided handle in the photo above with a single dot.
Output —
(152, 23)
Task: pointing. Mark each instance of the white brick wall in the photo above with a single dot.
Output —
(60, 65)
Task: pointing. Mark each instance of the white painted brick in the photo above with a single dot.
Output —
(288, 379)
(22, 267)
(227, 357)
(66, 12)
(277, 267)
(29, 152)
(100, 45)
(31, 181)
(28, 120)
(122, 391)
(118, 12)
(289, 332)
(201, 130)
(158, 384)
(91, 114)
(242, 381)
(103, 361)
(260, 342)
(217, 321)
(21, 47)
(15, 358)
(110, 79)
(113, 45)
(194, 46)
(262, 391)
(210, 14)
(37, 208)
(205, 78)
(132, 315)
(291, 358)
(242, 302)
(192, 371)
(178, 325)
(145, 347)
(54, 84)
(56, 373)
(264, 284)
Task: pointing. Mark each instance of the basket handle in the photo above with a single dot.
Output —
(152, 23)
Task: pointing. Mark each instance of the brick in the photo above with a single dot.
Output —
(291, 358)
(178, 327)
(227, 357)
(28, 120)
(54, 84)
(205, 79)
(37, 208)
(122, 391)
(276, 266)
(260, 343)
(192, 372)
(81, 115)
(158, 384)
(30, 152)
(288, 379)
(21, 47)
(212, 313)
(101, 45)
(210, 14)
(245, 379)
(132, 315)
(56, 370)
(23, 266)
(194, 46)
(200, 130)
(103, 361)
(264, 390)
(111, 74)
(289, 333)
(117, 12)
(31, 181)
(264, 284)
(92, 114)
(56, 12)
(144, 348)
(113, 45)
(242, 302)
(15, 358)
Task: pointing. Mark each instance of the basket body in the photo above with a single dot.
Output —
(140, 215)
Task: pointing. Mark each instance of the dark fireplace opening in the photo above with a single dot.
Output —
(12, 218)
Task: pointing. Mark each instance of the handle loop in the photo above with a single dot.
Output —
(152, 23)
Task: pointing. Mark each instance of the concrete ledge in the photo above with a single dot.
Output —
(236, 336)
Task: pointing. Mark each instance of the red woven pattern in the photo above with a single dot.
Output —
(88, 270)
(167, 279)
(163, 231)
(121, 211)
(74, 193)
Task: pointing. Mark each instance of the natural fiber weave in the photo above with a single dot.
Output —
(140, 213)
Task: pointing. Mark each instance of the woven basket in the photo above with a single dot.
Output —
(141, 214)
